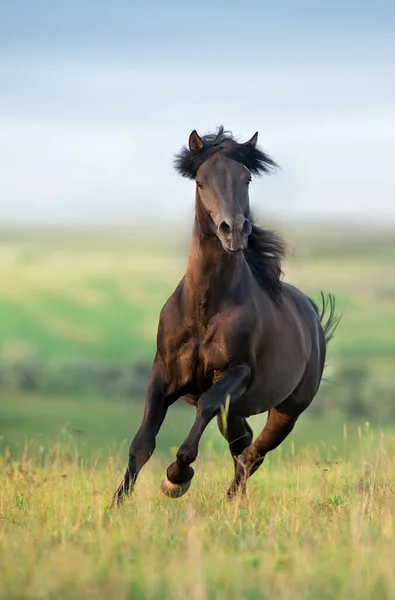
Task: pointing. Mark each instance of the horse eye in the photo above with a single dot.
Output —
(248, 182)
(200, 185)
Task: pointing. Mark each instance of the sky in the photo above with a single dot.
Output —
(97, 97)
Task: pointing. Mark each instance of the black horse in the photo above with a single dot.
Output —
(232, 333)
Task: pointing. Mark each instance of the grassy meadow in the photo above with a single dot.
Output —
(97, 294)
(81, 305)
(308, 528)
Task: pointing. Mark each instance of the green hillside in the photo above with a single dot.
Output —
(97, 294)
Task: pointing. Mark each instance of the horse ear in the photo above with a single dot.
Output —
(253, 141)
(195, 141)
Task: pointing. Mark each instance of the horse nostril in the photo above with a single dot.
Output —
(247, 228)
(225, 228)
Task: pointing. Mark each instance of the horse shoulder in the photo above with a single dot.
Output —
(176, 343)
(173, 320)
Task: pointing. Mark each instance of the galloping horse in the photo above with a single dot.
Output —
(232, 333)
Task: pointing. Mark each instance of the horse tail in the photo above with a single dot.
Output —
(327, 315)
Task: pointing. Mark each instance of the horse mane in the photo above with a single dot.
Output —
(264, 254)
(187, 162)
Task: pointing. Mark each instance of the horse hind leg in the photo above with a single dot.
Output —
(278, 426)
(280, 422)
(239, 436)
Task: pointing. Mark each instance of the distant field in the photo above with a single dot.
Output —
(93, 427)
(83, 297)
(97, 294)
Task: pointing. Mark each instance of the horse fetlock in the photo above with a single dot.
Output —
(237, 488)
(179, 474)
(117, 500)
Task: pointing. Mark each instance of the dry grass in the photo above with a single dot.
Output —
(306, 530)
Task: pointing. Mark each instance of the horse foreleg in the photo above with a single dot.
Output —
(232, 383)
(142, 447)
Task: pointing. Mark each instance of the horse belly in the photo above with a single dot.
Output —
(267, 391)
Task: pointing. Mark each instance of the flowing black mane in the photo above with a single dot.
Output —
(264, 254)
(187, 162)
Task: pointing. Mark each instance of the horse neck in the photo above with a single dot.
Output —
(212, 274)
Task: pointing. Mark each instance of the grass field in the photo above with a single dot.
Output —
(101, 428)
(309, 528)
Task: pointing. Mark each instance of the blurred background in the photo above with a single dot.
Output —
(96, 98)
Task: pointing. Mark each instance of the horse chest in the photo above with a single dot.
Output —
(195, 363)
(211, 355)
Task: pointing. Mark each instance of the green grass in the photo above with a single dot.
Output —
(91, 294)
(309, 528)
(95, 426)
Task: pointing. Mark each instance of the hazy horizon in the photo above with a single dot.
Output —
(97, 99)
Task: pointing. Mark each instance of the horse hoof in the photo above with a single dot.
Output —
(174, 490)
(115, 503)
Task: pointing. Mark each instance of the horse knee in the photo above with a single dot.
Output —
(206, 412)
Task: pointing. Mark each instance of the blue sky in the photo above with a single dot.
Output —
(96, 97)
